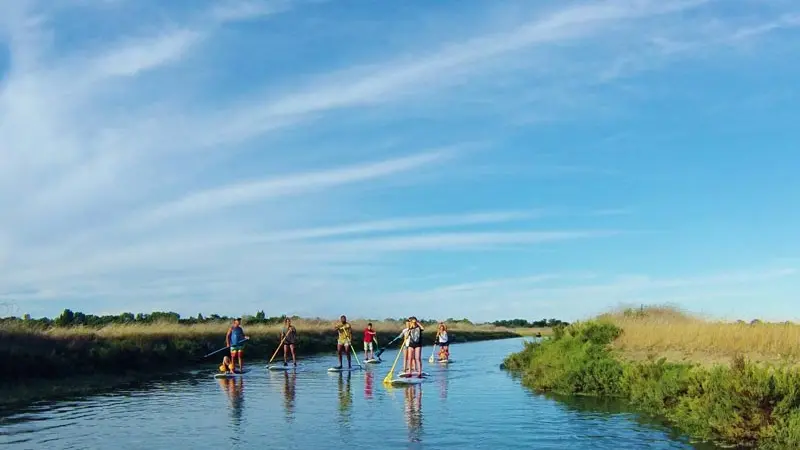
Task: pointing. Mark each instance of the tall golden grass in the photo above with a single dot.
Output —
(678, 336)
(311, 326)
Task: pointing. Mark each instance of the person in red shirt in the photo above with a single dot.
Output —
(369, 338)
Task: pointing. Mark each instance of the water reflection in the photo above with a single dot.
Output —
(368, 383)
(442, 383)
(289, 388)
(234, 388)
(413, 412)
(345, 397)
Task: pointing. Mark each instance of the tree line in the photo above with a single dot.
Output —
(68, 318)
(522, 323)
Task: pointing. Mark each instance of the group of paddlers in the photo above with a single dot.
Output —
(411, 346)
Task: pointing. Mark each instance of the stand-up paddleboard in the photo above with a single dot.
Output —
(344, 369)
(407, 381)
(408, 375)
(231, 375)
(373, 361)
(445, 361)
(281, 367)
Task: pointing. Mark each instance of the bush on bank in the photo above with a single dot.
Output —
(743, 405)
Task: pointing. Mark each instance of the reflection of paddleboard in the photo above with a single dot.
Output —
(373, 361)
(343, 369)
(400, 381)
(408, 375)
(280, 367)
(231, 375)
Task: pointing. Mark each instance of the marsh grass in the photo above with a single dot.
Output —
(680, 337)
(310, 326)
(737, 403)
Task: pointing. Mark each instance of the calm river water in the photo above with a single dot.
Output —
(471, 403)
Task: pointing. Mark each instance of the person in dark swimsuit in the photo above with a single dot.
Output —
(289, 336)
(414, 338)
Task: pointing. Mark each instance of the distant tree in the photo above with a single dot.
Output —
(261, 316)
(65, 319)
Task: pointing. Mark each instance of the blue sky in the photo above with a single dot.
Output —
(476, 159)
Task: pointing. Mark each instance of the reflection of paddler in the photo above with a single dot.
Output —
(413, 409)
(289, 384)
(368, 384)
(234, 388)
(345, 396)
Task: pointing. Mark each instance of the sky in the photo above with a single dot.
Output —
(475, 159)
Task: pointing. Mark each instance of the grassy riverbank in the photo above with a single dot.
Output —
(29, 353)
(742, 402)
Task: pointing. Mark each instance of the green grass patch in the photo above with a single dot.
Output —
(741, 405)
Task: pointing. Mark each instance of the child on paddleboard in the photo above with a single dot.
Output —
(369, 338)
(441, 339)
(344, 340)
(289, 337)
(235, 340)
(414, 354)
(227, 365)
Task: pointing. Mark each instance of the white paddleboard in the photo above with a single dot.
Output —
(373, 361)
(445, 361)
(280, 367)
(408, 375)
(343, 369)
(414, 380)
(231, 375)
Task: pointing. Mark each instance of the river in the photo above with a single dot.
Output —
(471, 403)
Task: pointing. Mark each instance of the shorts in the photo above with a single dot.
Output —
(367, 346)
(236, 348)
(343, 342)
(285, 343)
(413, 345)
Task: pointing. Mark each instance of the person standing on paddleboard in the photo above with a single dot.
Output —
(289, 337)
(404, 345)
(235, 340)
(344, 341)
(415, 346)
(441, 339)
(369, 337)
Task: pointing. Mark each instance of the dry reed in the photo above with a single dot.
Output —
(312, 326)
(671, 333)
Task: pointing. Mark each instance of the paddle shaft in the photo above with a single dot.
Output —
(355, 354)
(225, 348)
(276, 350)
(388, 378)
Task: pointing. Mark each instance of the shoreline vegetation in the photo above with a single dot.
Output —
(732, 384)
(76, 353)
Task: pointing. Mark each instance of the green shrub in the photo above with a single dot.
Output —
(742, 405)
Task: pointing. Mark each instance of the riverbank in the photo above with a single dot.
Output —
(742, 403)
(58, 358)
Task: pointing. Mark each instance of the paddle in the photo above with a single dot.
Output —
(276, 350)
(226, 347)
(356, 355)
(375, 342)
(380, 352)
(390, 375)
(433, 351)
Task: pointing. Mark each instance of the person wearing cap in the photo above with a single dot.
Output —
(235, 340)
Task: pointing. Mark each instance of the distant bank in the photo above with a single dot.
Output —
(734, 384)
(38, 362)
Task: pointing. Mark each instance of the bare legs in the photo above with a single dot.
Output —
(343, 348)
